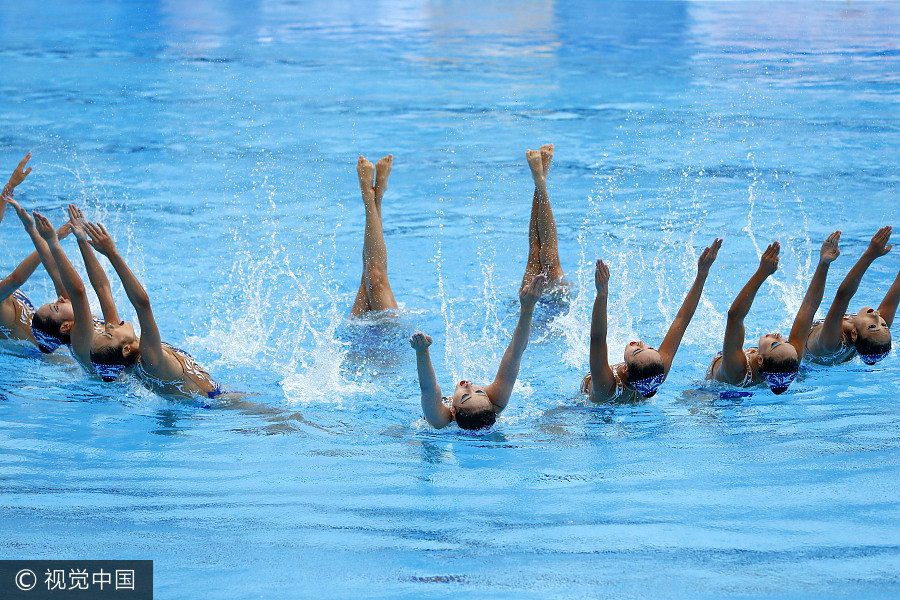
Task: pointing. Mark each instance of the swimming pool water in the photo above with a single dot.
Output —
(218, 142)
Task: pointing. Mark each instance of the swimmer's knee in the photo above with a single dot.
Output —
(377, 280)
(549, 256)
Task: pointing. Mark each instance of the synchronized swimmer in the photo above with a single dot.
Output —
(108, 347)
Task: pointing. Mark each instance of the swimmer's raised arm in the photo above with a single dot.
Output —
(813, 298)
(888, 307)
(436, 413)
(17, 177)
(831, 333)
(679, 325)
(602, 379)
(40, 246)
(499, 390)
(734, 364)
(98, 278)
(152, 355)
(26, 268)
(82, 334)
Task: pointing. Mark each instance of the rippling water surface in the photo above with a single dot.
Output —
(218, 142)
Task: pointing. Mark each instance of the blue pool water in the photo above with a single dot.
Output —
(218, 142)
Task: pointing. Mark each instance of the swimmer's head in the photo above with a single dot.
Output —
(645, 368)
(472, 407)
(52, 324)
(778, 361)
(870, 335)
(114, 349)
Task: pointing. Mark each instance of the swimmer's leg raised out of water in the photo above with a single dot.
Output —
(543, 255)
(533, 267)
(374, 289)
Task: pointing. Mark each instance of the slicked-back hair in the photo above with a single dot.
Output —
(480, 418)
(48, 326)
(637, 372)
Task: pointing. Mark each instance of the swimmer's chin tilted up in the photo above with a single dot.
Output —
(644, 368)
(163, 368)
(475, 406)
(775, 360)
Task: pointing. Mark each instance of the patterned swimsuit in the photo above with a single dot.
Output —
(841, 355)
(24, 312)
(189, 368)
(622, 394)
(747, 381)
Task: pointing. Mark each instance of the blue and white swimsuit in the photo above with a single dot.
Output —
(191, 370)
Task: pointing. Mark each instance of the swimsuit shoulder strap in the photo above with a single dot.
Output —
(620, 386)
(748, 376)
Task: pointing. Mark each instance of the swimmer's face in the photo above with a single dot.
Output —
(869, 325)
(59, 312)
(776, 347)
(639, 353)
(471, 396)
(117, 336)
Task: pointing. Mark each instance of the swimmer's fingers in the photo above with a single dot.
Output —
(20, 173)
(830, 250)
(43, 226)
(768, 263)
(531, 293)
(75, 214)
(708, 256)
(23, 214)
(601, 276)
(878, 245)
(100, 239)
(420, 341)
(76, 220)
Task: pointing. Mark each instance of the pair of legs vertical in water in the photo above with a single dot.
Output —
(543, 249)
(374, 287)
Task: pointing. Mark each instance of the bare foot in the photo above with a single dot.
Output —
(382, 172)
(537, 168)
(546, 157)
(366, 172)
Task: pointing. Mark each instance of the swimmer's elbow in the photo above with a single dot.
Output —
(77, 289)
(140, 300)
(735, 314)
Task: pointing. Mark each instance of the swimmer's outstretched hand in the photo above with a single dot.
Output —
(768, 263)
(879, 245)
(23, 214)
(44, 227)
(830, 250)
(18, 176)
(601, 277)
(101, 241)
(28, 221)
(76, 220)
(420, 342)
(531, 293)
(708, 256)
